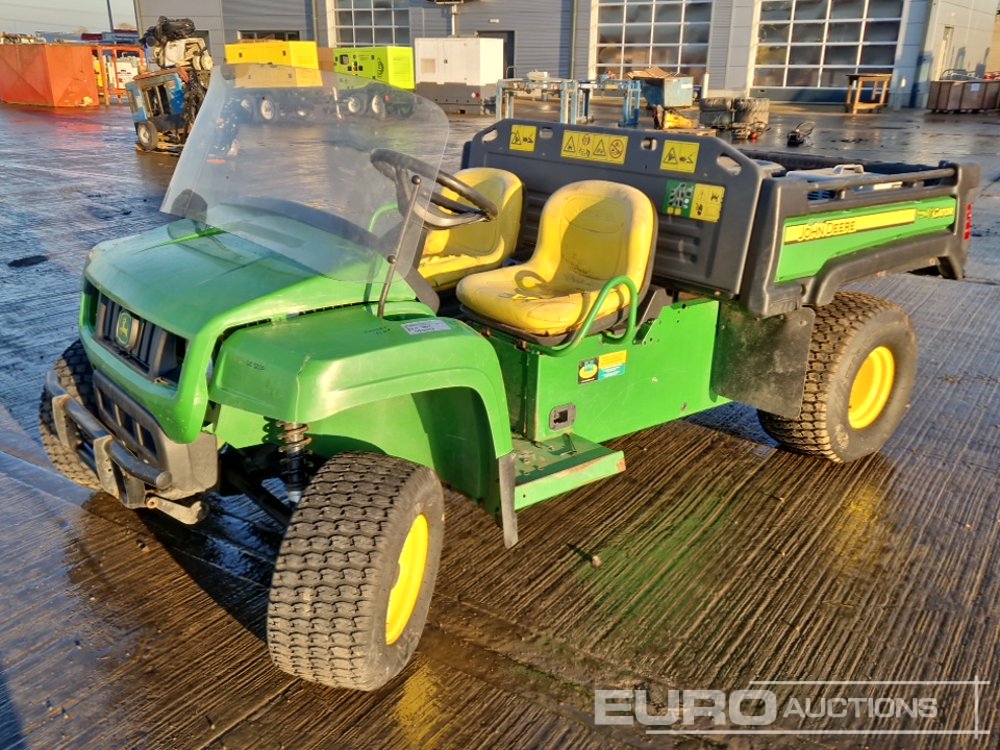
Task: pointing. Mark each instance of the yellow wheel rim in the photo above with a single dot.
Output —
(406, 590)
(871, 389)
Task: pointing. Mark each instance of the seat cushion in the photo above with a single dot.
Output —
(450, 254)
(589, 233)
(517, 298)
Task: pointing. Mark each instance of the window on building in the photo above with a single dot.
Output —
(810, 43)
(372, 23)
(282, 36)
(635, 34)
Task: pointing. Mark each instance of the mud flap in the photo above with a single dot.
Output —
(762, 362)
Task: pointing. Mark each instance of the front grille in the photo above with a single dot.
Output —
(150, 349)
(124, 422)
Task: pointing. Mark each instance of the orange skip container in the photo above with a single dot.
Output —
(49, 75)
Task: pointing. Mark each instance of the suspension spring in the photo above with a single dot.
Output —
(294, 459)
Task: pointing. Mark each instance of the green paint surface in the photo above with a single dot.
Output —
(800, 260)
(663, 375)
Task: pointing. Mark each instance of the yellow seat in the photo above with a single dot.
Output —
(451, 254)
(589, 232)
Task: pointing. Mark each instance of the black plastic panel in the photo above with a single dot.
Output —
(731, 255)
(703, 251)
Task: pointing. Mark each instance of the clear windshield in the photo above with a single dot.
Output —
(281, 157)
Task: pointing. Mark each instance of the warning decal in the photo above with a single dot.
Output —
(611, 365)
(603, 367)
(679, 156)
(607, 149)
(708, 202)
(694, 200)
(523, 137)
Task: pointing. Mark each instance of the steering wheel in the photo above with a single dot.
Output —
(442, 212)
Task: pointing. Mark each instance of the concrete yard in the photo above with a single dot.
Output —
(723, 560)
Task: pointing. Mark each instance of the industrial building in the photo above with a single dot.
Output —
(788, 50)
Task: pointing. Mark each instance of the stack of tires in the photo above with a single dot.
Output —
(715, 112)
(753, 112)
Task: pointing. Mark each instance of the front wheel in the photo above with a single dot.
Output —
(77, 377)
(862, 366)
(354, 576)
(356, 104)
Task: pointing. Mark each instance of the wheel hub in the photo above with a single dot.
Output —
(871, 388)
(406, 590)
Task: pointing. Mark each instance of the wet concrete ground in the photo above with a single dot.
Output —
(723, 560)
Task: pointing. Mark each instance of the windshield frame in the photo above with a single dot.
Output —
(310, 165)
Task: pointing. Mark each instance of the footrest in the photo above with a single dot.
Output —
(550, 468)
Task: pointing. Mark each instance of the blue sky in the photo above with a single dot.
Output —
(28, 16)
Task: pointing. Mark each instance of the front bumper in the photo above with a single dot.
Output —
(169, 469)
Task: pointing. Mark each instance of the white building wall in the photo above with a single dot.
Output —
(544, 34)
(923, 54)
(731, 47)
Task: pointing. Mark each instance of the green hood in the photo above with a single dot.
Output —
(187, 277)
(200, 282)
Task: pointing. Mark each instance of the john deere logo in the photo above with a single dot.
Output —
(126, 330)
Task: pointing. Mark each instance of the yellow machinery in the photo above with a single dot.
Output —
(295, 54)
(390, 70)
(389, 65)
(267, 68)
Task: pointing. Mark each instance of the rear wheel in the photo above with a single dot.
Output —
(354, 576)
(76, 376)
(862, 366)
(146, 136)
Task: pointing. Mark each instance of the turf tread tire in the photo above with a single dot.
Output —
(851, 320)
(77, 377)
(329, 590)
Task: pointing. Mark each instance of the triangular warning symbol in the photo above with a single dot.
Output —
(671, 157)
(599, 149)
(570, 146)
(516, 138)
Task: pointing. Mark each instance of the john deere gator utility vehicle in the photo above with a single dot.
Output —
(330, 308)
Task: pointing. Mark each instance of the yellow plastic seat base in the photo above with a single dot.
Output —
(589, 233)
(535, 307)
(451, 254)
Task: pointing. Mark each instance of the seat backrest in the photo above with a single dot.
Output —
(594, 230)
(485, 237)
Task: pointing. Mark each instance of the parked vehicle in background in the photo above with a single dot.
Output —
(166, 102)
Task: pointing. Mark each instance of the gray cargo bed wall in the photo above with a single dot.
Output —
(943, 251)
(710, 189)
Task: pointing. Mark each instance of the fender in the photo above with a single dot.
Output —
(425, 388)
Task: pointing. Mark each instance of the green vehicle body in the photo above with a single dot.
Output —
(505, 421)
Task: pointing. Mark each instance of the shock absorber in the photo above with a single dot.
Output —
(294, 458)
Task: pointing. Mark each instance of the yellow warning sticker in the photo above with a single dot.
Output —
(607, 149)
(679, 156)
(523, 137)
(694, 200)
(606, 366)
(613, 359)
(821, 230)
(708, 201)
